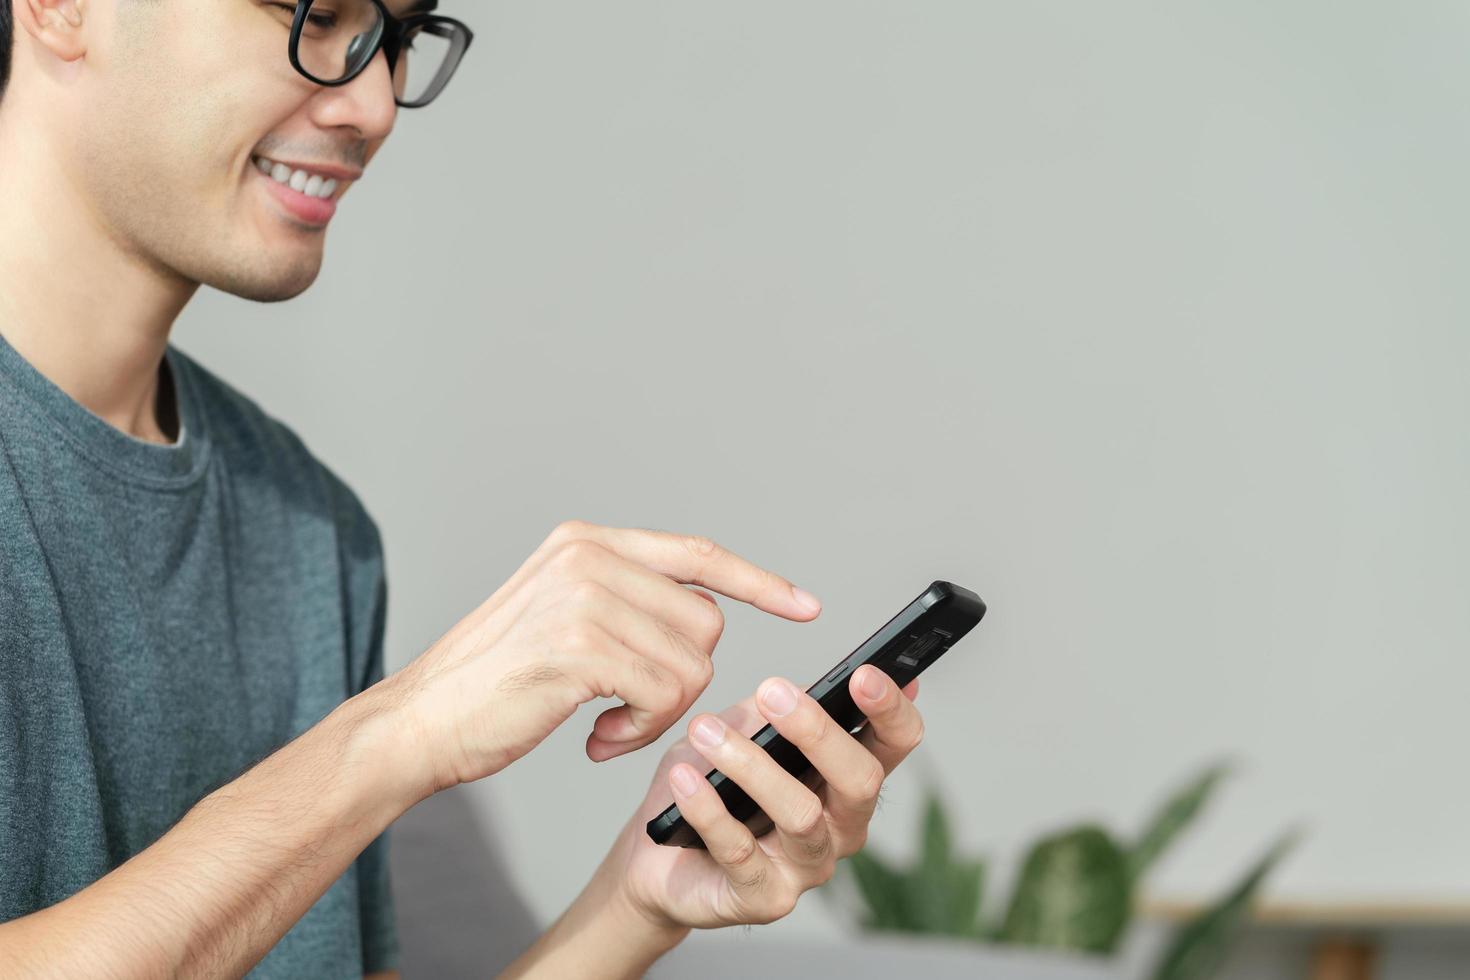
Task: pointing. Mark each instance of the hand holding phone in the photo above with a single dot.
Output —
(902, 648)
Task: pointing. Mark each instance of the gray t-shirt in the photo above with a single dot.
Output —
(170, 615)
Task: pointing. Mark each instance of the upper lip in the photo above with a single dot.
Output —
(325, 169)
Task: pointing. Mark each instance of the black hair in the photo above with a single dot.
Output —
(5, 32)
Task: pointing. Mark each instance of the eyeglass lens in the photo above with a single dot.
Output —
(339, 36)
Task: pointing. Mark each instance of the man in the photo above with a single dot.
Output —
(199, 755)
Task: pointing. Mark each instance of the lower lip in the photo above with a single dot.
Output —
(311, 210)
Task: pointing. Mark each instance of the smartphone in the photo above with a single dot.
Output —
(909, 642)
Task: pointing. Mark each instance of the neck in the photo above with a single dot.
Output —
(86, 310)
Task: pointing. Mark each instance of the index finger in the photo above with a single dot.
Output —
(694, 559)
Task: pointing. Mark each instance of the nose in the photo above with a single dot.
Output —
(365, 103)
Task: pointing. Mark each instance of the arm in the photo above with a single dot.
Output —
(594, 612)
(599, 936)
(214, 894)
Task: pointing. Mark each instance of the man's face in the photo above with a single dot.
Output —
(181, 100)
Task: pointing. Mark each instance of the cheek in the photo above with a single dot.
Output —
(191, 96)
(193, 149)
(168, 147)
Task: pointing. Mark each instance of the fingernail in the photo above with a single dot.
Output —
(780, 697)
(709, 731)
(685, 781)
(872, 683)
(805, 598)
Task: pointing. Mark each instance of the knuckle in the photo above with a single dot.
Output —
(575, 553)
(667, 696)
(704, 671)
(740, 855)
(775, 584)
(580, 638)
(819, 725)
(694, 666)
(717, 623)
(809, 820)
(701, 546)
(671, 702)
(588, 594)
(567, 530)
(873, 780)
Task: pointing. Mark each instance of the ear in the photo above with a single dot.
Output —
(57, 24)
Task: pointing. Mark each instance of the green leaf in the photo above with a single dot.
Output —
(1074, 892)
(966, 886)
(1199, 947)
(936, 841)
(941, 892)
(945, 899)
(1176, 814)
(882, 888)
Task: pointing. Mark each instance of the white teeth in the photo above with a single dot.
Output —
(310, 184)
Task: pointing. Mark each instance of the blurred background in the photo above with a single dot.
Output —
(1144, 320)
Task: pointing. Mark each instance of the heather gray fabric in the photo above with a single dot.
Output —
(168, 616)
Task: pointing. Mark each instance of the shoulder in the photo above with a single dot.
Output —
(267, 448)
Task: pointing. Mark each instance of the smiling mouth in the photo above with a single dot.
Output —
(302, 181)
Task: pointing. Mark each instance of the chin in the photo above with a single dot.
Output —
(272, 285)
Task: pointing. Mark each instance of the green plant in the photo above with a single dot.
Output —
(1198, 948)
(1076, 889)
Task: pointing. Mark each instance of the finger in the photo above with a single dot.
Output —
(657, 595)
(652, 615)
(653, 694)
(578, 558)
(688, 664)
(729, 842)
(744, 717)
(741, 716)
(852, 773)
(894, 725)
(797, 813)
(697, 560)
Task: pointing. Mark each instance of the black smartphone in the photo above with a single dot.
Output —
(907, 643)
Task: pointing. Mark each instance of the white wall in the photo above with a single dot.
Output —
(1160, 305)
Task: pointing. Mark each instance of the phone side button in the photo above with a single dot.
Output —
(835, 672)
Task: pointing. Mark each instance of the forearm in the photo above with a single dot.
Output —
(217, 891)
(598, 937)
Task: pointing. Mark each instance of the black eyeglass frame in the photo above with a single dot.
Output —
(391, 32)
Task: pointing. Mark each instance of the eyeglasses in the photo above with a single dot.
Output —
(332, 41)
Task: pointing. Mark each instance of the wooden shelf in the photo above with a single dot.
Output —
(1334, 915)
